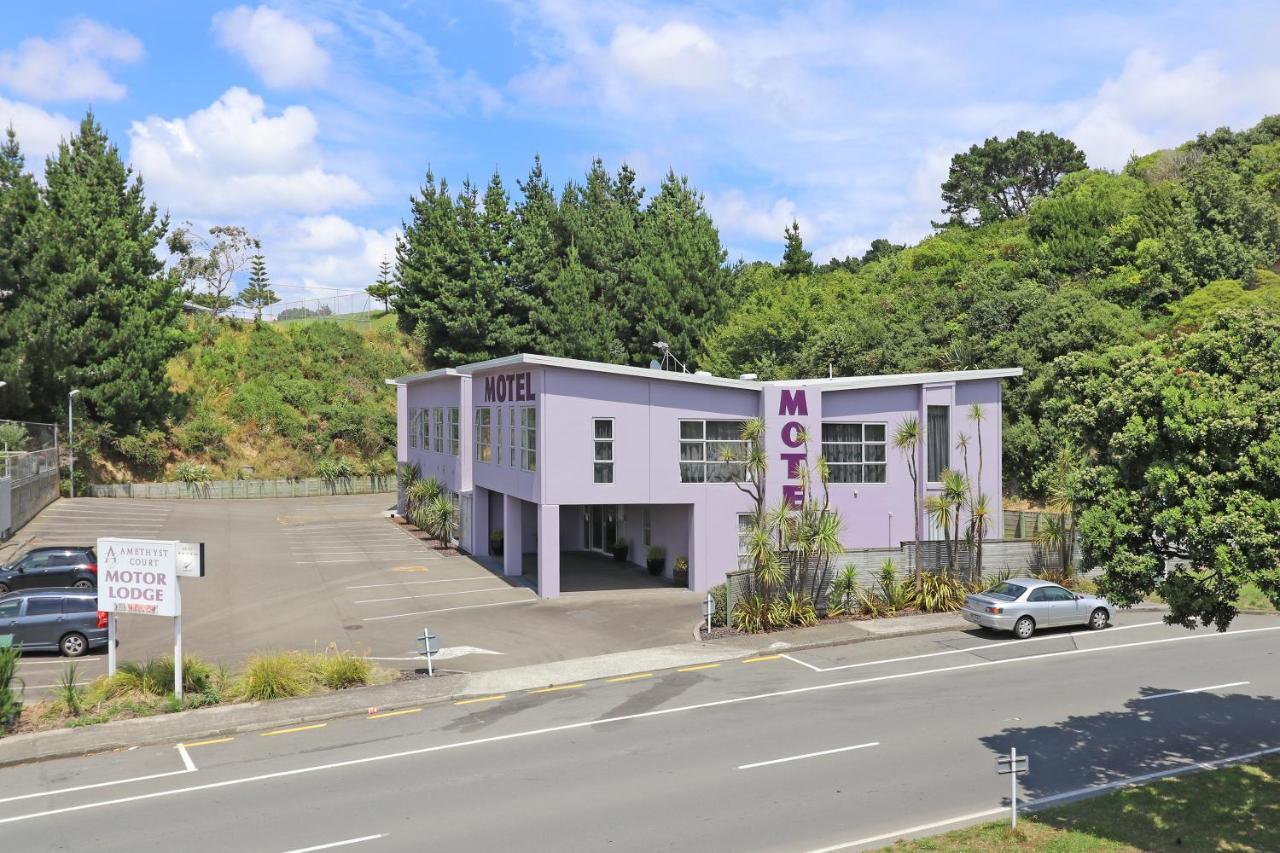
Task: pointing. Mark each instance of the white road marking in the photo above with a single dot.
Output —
(186, 759)
(371, 558)
(599, 721)
(435, 594)
(446, 610)
(807, 755)
(333, 844)
(342, 552)
(408, 583)
(1193, 690)
(997, 645)
(47, 686)
(188, 768)
(449, 653)
(911, 830)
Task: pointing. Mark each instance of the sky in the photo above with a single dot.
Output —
(313, 123)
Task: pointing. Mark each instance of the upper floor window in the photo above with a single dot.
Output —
(603, 450)
(514, 434)
(938, 436)
(453, 431)
(497, 436)
(712, 451)
(415, 423)
(855, 453)
(529, 438)
(438, 429)
(484, 435)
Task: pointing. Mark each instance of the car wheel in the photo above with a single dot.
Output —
(1024, 627)
(1098, 619)
(4, 589)
(83, 584)
(74, 645)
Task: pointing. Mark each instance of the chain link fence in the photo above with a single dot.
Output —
(29, 474)
(348, 307)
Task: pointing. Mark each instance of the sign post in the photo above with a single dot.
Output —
(1013, 765)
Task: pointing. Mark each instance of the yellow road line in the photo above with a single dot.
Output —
(480, 699)
(294, 729)
(557, 687)
(631, 677)
(394, 713)
(207, 742)
(762, 658)
(698, 667)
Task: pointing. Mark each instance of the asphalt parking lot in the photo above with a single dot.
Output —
(308, 573)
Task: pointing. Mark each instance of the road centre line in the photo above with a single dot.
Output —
(1193, 690)
(95, 785)
(808, 755)
(486, 577)
(446, 610)
(1019, 644)
(599, 721)
(433, 594)
(292, 730)
(345, 843)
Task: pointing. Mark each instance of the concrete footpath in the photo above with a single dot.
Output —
(227, 719)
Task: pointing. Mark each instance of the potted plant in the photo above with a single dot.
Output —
(680, 574)
(620, 549)
(495, 543)
(656, 559)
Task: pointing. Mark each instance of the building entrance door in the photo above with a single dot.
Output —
(602, 527)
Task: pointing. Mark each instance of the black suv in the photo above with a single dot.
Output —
(51, 566)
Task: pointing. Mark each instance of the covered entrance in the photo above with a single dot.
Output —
(601, 527)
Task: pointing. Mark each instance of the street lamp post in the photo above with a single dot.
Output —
(71, 441)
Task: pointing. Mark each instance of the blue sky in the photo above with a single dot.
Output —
(311, 123)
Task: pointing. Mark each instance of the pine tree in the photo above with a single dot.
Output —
(19, 205)
(796, 259)
(257, 293)
(385, 287)
(536, 253)
(102, 314)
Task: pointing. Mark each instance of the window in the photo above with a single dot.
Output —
(604, 451)
(453, 431)
(415, 423)
(83, 604)
(484, 436)
(511, 428)
(424, 428)
(438, 431)
(854, 452)
(939, 437)
(648, 527)
(9, 609)
(44, 606)
(497, 437)
(1057, 593)
(529, 438)
(712, 451)
(745, 522)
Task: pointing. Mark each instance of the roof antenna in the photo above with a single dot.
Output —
(668, 357)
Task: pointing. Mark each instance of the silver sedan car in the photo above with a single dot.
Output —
(1022, 605)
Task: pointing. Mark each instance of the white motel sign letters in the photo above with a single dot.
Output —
(138, 576)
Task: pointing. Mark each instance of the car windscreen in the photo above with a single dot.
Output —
(1007, 591)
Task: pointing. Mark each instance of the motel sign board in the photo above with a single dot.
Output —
(138, 576)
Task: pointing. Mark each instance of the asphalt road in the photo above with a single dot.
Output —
(841, 748)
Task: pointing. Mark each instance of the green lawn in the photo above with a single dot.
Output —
(1250, 598)
(1235, 808)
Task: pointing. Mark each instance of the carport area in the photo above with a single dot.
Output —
(588, 571)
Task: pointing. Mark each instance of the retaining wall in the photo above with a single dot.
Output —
(302, 487)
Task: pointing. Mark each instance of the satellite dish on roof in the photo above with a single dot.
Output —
(654, 364)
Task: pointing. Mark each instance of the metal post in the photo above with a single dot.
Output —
(1013, 784)
(177, 657)
(71, 445)
(711, 606)
(426, 638)
(111, 643)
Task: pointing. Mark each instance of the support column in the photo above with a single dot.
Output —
(479, 521)
(549, 551)
(699, 567)
(512, 537)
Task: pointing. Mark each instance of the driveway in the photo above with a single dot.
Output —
(305, 573)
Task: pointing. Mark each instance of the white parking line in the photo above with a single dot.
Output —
(807, 755)
(1019, 644)
(374, 549)
(600, 721)
(416, 583)
(1194, 690)
(371, 558)
(333, 844)
(911, 830)
(446, 610)
(434, 594)
(188, 767)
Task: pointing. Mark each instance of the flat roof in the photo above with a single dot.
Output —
(835, 383)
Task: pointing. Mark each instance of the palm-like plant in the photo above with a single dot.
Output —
(906, 440)
(979, 524)
(442, 518)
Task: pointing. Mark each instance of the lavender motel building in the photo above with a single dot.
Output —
(562, 455)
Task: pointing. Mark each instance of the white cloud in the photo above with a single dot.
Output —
(39, 132)
(677, 55)
(315, 256)
(70, 67)
(234, 158)
(755, 217)
(281, 50)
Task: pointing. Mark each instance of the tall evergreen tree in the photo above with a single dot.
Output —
(103, 313)
(257, 293)
(796, 259)
(19, 205)
(536, 253)
(385, 287)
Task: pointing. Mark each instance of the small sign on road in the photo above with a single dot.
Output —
(1004, 764)
(1012, 765)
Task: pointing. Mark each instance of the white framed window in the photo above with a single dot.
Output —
(424, 428)
(938, 442)
(438, 429)
(712, 451)
(855, 453)
(484, 435)
(529, 438)
(454, 432)
(415, 424)
(745, 522)
(497, 437)
(603, 457)
(513, 431)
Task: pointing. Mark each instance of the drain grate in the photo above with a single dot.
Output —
(352, 627)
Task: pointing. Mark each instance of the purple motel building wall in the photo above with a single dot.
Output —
(522, 455)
